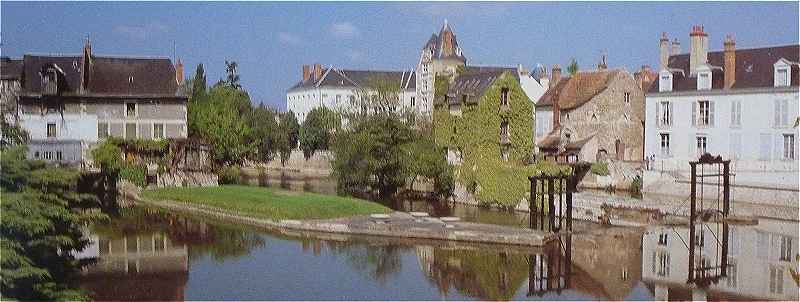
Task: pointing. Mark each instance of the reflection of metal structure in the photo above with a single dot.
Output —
(701, 271)
(550, 202)
(552, 269)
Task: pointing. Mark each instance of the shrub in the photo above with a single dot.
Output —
(636, 186)
(230, 175)
(600, 168)
(136, 174)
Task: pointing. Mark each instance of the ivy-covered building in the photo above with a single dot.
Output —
(485, 121)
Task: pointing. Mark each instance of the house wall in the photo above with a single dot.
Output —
(757, 119)
(68, 126)
(302, 101)
(615, 119)
(544, 121)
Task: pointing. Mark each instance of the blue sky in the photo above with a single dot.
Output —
(272, 40)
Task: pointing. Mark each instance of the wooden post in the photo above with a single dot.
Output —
(726, 188)
(550, 204)
(692, 197)
(531, 202)
(570, 188)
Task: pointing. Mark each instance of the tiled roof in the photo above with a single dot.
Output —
(10, 69)
(332, 77)
(574, 91)
(473, 83)
(754, 68)
(442, 51)
(119, 76)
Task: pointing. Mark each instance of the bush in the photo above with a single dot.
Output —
(136, 174)
(230, 175)
(600, 168)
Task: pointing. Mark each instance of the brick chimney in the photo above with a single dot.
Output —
(317, 72)
(730, 62)
(556, 110)
(698, 51)
(179, 72)
(306, 73)
(555, 75)
(663, 54)
(676, 47)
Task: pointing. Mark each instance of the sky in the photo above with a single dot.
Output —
(272, 40)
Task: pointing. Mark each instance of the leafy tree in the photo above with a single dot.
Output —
(198, 83)
(429, 161)
(220, 124)
(288, 135)
(572, 68)
(264, 133)
(317, 130)
(12, 131)
(232, 76)
(42, 219)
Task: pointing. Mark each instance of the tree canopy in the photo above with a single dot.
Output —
(318, 130)
(572, 68)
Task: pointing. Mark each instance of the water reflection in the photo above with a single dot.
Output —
(153, 255)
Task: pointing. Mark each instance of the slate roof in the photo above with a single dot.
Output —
(107, 76)
(10, 69)
(333, 77)
(473, 83)
(754, 68)
(574, 91)
(436, 44)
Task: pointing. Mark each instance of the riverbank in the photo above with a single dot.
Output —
(269, 203)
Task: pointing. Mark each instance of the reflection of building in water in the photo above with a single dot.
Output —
(425, 258)
(759, 261)
(137, 267)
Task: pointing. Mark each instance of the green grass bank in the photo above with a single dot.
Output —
(269, 203)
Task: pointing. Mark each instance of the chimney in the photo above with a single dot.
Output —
(317, 72)
(556, 111)
(555, 75)
(179, 72)
(698, 51)
(730, 62)
(306, 73)
(663, 54)
(676, 47)
(86, 63)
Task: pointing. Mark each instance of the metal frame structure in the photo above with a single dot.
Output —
(550, 202)
(704, 274)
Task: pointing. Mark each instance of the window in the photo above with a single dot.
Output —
(775, 279)
(665, 82)
(504, 154)
(102, 130)
(704, 81)
(352, 100)
(504, 128)
(130, 130)
(627, 97)
(661, 263)
(130, 109)
(764, 150)
(782, 77)
(504, 96)
(59, 156)
(786, 248)
(736, 145)
(702, 144)
(781, 108)
(731, 280)
(665, 144)
(338, 99)
(51, 130)
(703, 113)
(736, 114)
(664, 114)
(48, 155)
(662, 239)
(158, 131)
(788, 146)
(413, 102)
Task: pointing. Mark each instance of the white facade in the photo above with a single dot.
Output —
(79, 127)
(302, 101)
(755, 128)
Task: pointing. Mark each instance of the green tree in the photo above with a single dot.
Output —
(12, 131)
(264, 133)
(318, 129)
(288, 135)
(218, 120)
(572, 68)
(41, 227)
(429, 161)
(198, 83)
(232, 75)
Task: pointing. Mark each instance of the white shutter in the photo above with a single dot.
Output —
(711, 112)
(671, 112)
(658, 114)
(694, 113)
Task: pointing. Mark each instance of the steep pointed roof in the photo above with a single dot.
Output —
(445, 45)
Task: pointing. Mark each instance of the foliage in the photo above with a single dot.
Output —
(136, 174)
(288, 135)
(476, 134)
(429, 161)
(108, 156)
(230, 175)
(636, 186)
(269, 203)
(12, 132)
(198, 84)
(218, 121)
(440, 85)
(231, 75)
(318, 129)
(600, 168)
(263, 135)
(572, 68)
(41, 226)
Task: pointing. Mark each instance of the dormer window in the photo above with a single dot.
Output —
(782, 77)
(50, 82)
(704, 81)
(665, 81)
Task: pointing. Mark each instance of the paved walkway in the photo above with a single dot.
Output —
(398, 224)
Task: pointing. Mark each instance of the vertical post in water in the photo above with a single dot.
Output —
(541, 202)
(692, 197)
(726, 188)
(550, 203)
(724, 264)
(532, 201)
(570, 184)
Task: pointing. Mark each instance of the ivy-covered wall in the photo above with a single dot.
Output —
(477, 134)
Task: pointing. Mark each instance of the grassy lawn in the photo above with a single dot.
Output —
(268, 202)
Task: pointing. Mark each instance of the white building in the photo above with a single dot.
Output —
(340, 89)
(741, 104)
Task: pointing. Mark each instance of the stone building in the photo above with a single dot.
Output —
(68, 103)
(591, 116)
(737, 103)
(441, 55)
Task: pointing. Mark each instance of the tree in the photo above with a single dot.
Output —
(198, 84)
(43, 216)
(232, 76)
(218, 120)
(288, 135)
(429, 161)
(317, 130)
(264, 133)
(572, 68)
(12, 132)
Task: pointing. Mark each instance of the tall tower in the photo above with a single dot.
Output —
(441, 55)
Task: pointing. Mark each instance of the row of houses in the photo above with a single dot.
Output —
(738, 103)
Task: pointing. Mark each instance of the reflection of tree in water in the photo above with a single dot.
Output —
(217, 240)
(379, 261)
(477, 273)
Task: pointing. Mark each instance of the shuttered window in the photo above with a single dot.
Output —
(736, 114)
(781, 110)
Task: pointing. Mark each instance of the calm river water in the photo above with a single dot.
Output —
(149, 254)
